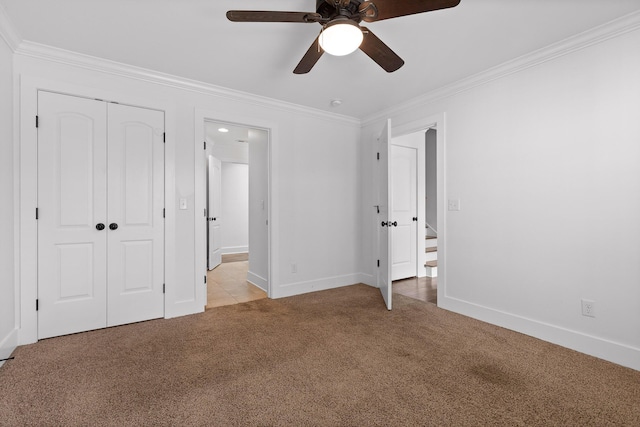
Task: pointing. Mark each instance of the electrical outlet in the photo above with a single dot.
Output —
(588, 308)
(294, 267)
(453, 204)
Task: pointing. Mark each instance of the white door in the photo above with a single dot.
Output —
(214, 220)
(100, 214)
(135, 214)
(72, 214)
(404, 212)
(384, 249)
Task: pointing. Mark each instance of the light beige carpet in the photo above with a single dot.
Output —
(332, 358)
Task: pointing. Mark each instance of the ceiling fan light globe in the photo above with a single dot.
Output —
(341, 38)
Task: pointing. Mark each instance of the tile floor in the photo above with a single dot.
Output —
(423, 288)
(227, 284)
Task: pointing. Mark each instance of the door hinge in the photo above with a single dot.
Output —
(378, 263)
(378, 156)
(37, 122)
(163, 212)
(205, 144)
(164, 137)
(36, 213)
(163, 288)
(205, 278)
(37, 305)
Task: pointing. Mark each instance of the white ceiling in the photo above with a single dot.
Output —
(193, 39)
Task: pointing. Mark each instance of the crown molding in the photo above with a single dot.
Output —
(599, 34)
(8, 31)
(92, 63)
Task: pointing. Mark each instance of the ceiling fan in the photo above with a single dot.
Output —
(341, 33)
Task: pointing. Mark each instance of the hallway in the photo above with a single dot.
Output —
(227, 283)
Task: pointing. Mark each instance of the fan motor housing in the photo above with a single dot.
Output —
(324, 8)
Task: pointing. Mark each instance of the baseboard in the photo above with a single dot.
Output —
(234, 250)
(257, 280)
(315, 285)
(8, 345)
(618, 353)
(368, 279)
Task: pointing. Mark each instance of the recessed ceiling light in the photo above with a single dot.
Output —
(223, 130)
(336, 102)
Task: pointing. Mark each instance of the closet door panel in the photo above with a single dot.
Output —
(135, 214)
(71, 203)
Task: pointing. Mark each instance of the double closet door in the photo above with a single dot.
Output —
(100, 214)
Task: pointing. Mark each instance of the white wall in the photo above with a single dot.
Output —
(238, 152)
(431, 178)
(258, 208)
(309, 204)
(546, 163)
(7, 289)
(235, 208)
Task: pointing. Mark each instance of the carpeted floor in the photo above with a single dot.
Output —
(332, 358)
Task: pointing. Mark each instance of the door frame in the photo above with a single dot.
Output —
(26, 194)
(202, 116)
(438, 122)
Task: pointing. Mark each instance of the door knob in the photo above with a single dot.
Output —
(100, 226)
(384, 223)
(113, 226)
(415, 218)
(394, 223)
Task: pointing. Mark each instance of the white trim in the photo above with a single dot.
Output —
(615, 28)
(257, 281)
(8, 345)
(234, 250)
(200, 117)
(598, 347)
(8, 31)
(316, 285)
(26, 177)
(74, 59)
(367, 279)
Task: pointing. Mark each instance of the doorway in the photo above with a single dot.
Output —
(237, 232)
(414, 208)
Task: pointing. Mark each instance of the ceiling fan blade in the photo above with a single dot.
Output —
(387, 9)
(380, 52)
(310, 58)
(272, 16)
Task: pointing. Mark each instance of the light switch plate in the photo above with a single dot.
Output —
(183, 204)
(453, 205)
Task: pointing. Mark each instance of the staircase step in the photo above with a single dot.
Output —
(432, 268)
(431, 249)
(431, 237)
